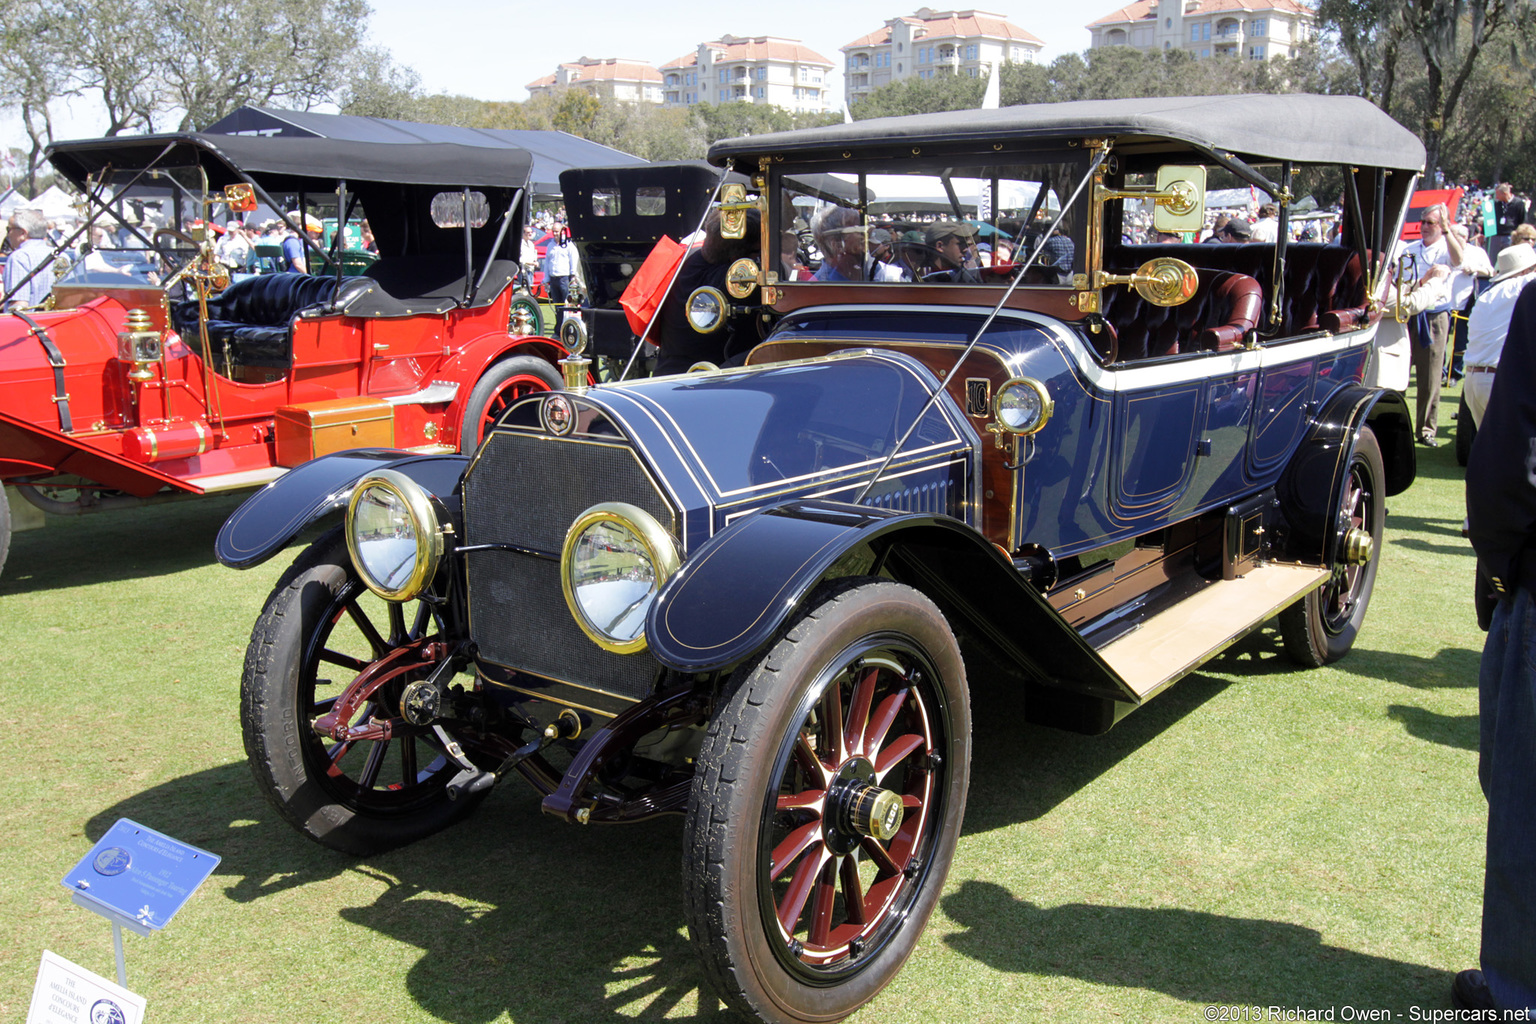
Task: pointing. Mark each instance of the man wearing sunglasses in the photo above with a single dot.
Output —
(1428, 330)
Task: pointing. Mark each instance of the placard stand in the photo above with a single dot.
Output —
(133, 866)
(119, 922)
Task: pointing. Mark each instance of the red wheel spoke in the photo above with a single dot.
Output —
(336, 753)
(794, 844)
(880, 723)
(832, 716)
(900, 747)
(810, 763)
(809, 800)
(821, 908)
(911, 801)
(799, 891)
(853, 891)
(858, 710)
(877, 854)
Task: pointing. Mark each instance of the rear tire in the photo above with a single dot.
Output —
(5, 526)
(1321, 627)
(798, 915)
(502, 384)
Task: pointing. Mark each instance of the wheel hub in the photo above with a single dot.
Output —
(1358, 547)
(857, 808)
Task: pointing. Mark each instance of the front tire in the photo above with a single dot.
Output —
(504, 383)
(798, 913)
(321, 628)
(1321, 627)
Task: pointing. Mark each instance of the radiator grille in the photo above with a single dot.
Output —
(933, 497)
(527, 489)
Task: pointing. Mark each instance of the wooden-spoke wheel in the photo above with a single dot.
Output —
(1321, 627)
(827, 805)
(320, 631)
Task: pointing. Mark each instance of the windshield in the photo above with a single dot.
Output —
(932, 221)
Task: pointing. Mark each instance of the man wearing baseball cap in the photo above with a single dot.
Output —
(949, 260)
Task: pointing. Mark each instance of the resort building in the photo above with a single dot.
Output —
(632, 81)
(757, 69)
(931, 43)
(1255, 29)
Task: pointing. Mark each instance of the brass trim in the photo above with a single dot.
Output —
(1047, 405)
(658, 543)
(429, 533)
(718, 296)
(741, 277)
(547, 698)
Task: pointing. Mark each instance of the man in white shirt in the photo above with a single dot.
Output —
(1471, 275)
(1489, 324)
(1267, 227)
(1428, 330)
(27, 232)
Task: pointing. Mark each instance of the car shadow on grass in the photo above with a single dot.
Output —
(515, 913)
(1198, 957)
(127, 544)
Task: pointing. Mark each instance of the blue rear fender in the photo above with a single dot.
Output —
(280, 511)
(1311, 488)
(739, 589)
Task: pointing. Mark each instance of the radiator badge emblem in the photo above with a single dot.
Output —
(558, 415)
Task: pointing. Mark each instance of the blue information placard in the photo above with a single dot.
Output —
(138, 874)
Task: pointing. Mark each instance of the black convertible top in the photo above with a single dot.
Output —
(1301, 127)
(297, 164)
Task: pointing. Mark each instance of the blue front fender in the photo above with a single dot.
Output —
(277, 513)
(742, 585)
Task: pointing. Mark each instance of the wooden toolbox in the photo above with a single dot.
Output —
(307, 431)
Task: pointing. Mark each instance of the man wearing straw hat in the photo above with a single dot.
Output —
(1489, 324)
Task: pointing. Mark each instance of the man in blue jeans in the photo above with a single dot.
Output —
(1501, 511)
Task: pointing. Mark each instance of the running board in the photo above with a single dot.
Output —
(1177, 641)
(237, 481)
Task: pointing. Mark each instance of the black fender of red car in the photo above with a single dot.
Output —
(1311, 489)
(277, 513)
(738, 590)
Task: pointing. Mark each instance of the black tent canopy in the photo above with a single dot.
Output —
(552, 151)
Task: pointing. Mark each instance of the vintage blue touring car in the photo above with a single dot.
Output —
(753, 595)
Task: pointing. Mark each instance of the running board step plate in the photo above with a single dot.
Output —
(1175, 642)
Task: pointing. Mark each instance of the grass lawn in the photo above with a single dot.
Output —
(1256, 836)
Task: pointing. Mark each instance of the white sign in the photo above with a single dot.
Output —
(69, 994)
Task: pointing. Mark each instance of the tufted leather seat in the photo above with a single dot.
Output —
(1224, 308)
(1324, 284)
(250, 323)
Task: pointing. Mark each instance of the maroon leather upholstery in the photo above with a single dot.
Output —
(1224, 307)
(1324, 284)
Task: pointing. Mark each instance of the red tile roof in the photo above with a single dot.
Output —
(953, 25)
(1143, 10)
(766, 48)
(604, 69)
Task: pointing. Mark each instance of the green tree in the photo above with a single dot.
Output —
(922, 96)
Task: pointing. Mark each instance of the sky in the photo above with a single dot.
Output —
(491, 49)
(507, 45)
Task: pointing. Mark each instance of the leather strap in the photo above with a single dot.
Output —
(55, 360)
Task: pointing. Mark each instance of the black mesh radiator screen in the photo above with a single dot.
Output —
(527, 489)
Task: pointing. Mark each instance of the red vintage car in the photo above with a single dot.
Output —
(150, 373)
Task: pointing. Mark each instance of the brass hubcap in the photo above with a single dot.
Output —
(1358, 548)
